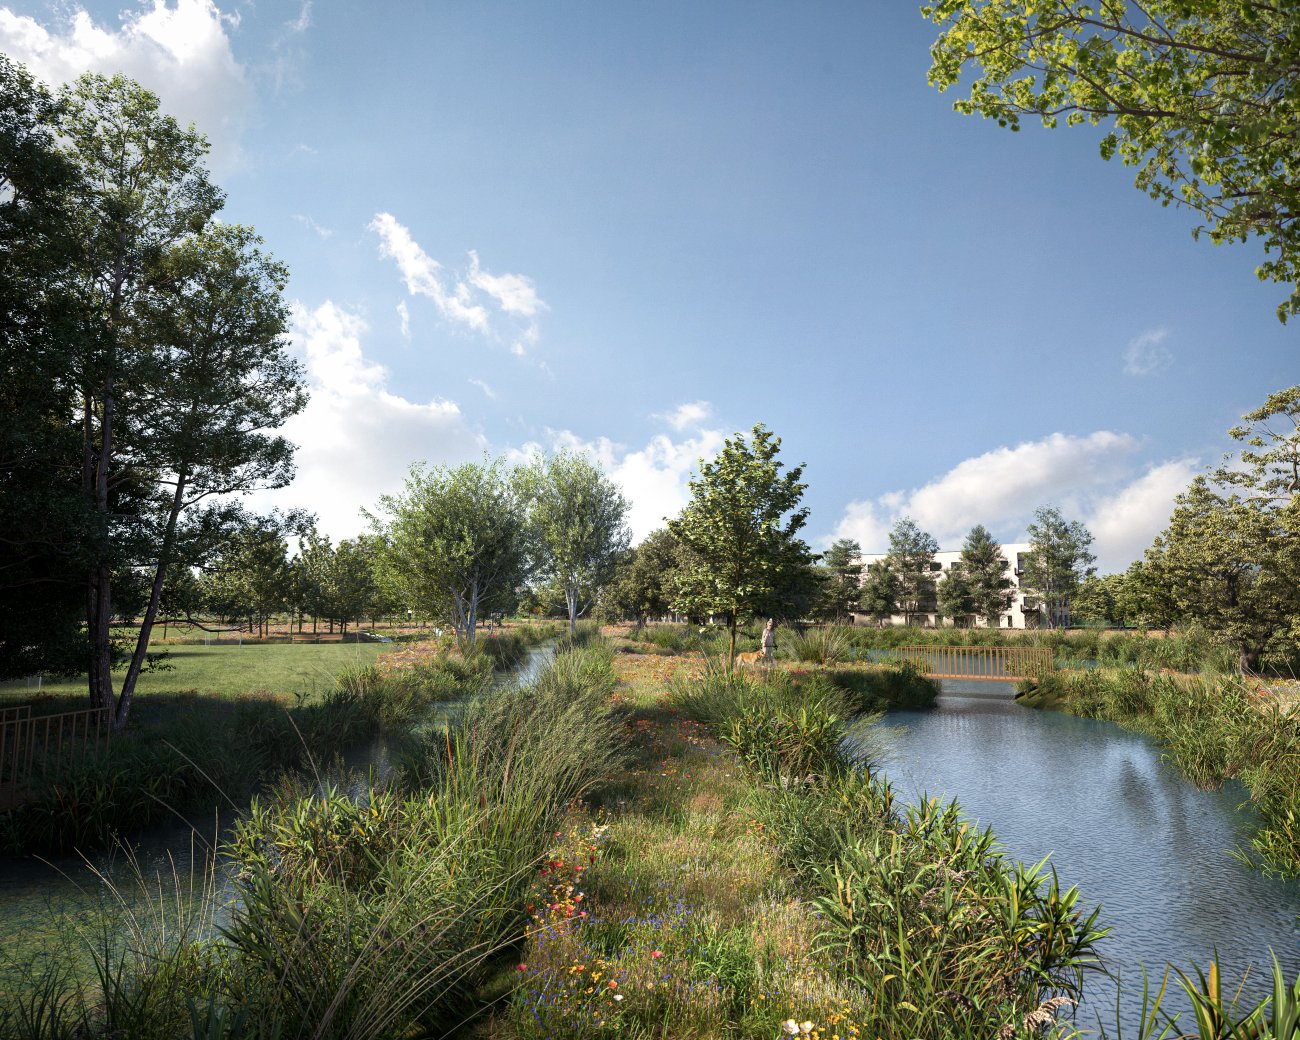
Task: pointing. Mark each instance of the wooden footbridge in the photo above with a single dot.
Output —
(979, 663)
(28, 743)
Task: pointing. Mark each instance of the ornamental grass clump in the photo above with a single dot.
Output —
(826, 644)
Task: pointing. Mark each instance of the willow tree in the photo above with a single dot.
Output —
(740, 533)
(1201, 96)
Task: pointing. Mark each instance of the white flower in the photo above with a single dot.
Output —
(790, 1026)
(618, 996)
(806, 1028)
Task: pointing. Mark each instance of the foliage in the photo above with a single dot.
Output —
(842, 586)
(911, 559)
(881, 590)
(578, 521)
(899, 684)
(183, 370)
(644, 580)
(47, 533)
(1202, 95)
(983, 569)
(1059, 558)
(823, 644)
(453, 541)
(741, 532)
(1231, 566)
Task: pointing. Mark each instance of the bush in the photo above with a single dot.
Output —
(897, 685)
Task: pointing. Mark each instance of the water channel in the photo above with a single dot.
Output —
(1149, 847)
(45, 904)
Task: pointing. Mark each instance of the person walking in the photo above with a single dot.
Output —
(769, 641)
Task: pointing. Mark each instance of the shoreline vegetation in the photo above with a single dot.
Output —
(641, 843)
(192, 748)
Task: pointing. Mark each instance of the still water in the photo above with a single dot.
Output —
(1149, 847)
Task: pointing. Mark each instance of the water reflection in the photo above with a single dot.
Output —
(1153, 850)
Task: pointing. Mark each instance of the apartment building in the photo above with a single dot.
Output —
(1015, 617)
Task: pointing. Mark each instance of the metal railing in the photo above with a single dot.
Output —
(979, 663)
(29, 742)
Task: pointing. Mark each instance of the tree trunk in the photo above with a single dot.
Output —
(571, 602)
(151, 611)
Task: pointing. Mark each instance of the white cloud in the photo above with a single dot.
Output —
(514, 293)
(1088, 478)
(404, 316)
(491, 394)
(1123, 524)
(307, 222)
(653, 478)
(1147, 353)
(356, 439)
(180, 51)
(502, 307)
(684, 415)
(303, 22)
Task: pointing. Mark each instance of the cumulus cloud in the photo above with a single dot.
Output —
(504, 307)
(690, 414)
(1089, 478)
(356, 439)
(1147, 353)
(1124, 523)
(180, 51)
(653, 478)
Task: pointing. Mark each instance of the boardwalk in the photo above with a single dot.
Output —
(979, 663)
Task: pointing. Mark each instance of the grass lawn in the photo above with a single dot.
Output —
(226, 671)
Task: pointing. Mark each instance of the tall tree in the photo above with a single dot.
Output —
(986, 571)
(842, 571)
(578, 519)
(955, 597)
(911, 559)
(645, 579)
(47, 535)
(454, 541)
(1201, 96)
(1233, 568)
(184, 372)
(253, 579)
(1059, 559)
(740, 531)
(880, 591)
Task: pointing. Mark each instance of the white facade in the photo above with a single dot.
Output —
(943, 561)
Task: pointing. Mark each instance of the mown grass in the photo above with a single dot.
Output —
(1210, 731)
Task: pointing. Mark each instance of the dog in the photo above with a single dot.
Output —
(752, 657)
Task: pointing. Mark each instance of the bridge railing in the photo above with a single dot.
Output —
(980, 663)
(28, 742)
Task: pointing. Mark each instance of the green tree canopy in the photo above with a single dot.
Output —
(841, 585)
(1059, 559)
(911, 560)
(740, 531)
(645, 579)
(985, 571)
(880, 590)
(1201, 96)
(577, 517)
(454, 540)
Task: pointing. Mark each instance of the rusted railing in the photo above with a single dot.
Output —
(980, 663)
(28, 742)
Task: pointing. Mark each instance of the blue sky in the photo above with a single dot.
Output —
(635, 229)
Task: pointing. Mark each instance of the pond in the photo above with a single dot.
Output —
(1153, 850)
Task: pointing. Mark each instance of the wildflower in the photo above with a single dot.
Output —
(618, 996)
(790, 1026)
(522, 967)
(613, 983)
(806, 1027)
(656, 953)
